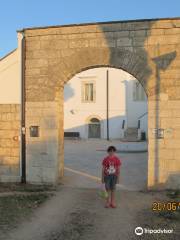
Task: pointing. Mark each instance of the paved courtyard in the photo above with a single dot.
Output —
(85, 156)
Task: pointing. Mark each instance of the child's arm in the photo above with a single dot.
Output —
(118, 176)
(102, 175)
(118, 171)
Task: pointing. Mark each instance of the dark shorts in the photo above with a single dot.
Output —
(110, 182)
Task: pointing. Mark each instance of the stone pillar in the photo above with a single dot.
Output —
(164, 153)
(60, 111)
(42, 151)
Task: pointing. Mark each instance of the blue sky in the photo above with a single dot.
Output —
(17, 14)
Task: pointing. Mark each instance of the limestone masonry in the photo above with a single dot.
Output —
(147, 49)
(9, 142)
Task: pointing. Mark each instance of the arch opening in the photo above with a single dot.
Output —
(85, 116)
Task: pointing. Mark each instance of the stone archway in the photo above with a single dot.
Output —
(84, 59)
(55, 55)
(78, 62)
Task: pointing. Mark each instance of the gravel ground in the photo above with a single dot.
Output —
(79, 214)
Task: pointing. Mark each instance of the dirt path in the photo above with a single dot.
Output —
(77, 213)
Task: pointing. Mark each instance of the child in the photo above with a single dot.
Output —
(110, 175)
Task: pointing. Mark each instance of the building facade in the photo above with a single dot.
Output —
(104, 102)
(10, 99)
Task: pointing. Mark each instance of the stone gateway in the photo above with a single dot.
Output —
(50, 56)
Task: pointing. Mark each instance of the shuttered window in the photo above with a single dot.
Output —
(88, 93)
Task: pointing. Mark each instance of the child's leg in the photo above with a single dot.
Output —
(107, 186)
(108, 199)
(114, 181)
(113, 197)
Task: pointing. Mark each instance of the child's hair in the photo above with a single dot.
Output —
(111, 148)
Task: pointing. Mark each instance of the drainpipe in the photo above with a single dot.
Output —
(23, 136)
(107, 102)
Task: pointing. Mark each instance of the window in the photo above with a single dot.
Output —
(88, 92)
(138, 92)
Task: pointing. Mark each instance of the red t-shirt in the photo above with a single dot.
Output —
(111, 165)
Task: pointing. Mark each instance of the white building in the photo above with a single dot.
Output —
(10, 85)
(86, 104)
(89, 102)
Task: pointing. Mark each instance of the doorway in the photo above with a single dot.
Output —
(94, 128)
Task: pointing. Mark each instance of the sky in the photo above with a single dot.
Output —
(18, 14)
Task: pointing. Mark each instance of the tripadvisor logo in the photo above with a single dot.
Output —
(139, 231)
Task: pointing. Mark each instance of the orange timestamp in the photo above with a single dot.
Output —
(165, 206)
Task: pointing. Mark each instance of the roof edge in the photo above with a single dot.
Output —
(5, 56)
(95, 23)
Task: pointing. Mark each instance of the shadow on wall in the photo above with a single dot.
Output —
(116, 128)
(162, 62)
(134, 56)
(128, 52)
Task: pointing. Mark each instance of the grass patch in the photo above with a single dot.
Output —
(19, 187)
(173, 194)
(13, 209)
(172, 215)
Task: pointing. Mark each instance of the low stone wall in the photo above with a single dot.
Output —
(9, 143)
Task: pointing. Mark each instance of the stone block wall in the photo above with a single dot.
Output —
(164, 154)
(149, 50)
(9, 142)
(42, 151)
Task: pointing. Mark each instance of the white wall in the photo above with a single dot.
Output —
(135, 108)
(77, 113)
(10, 79)
(121, 104)
(144, 125)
